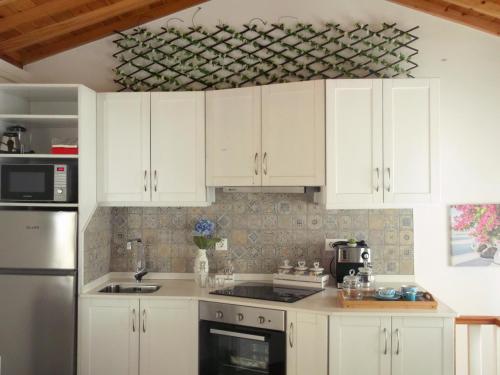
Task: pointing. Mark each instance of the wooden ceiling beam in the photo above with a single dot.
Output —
(488, 7)
(72, 24)
(444, 9)
(16, 61)
(101, 31)
(40, 11)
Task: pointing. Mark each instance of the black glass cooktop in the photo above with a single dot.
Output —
(269, 292)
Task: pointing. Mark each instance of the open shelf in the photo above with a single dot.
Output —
(33, 204)
(38, 156)
(42, 121)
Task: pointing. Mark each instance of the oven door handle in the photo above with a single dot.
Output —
(237, 334)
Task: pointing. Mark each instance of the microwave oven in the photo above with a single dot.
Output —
(38, 183)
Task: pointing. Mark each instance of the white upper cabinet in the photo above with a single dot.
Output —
(233, 137)
(360, 345)
(415, 338)
(354, 141)
(151, 149)
(267, 136)
(178, 147)
(123, 147)
(382, 142)
(411, 140)
(293, 134)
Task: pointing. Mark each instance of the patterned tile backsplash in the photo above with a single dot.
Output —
(97, 248)
(262, 230)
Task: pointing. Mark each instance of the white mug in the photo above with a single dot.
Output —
(286, 262)
(302, 263)
(316, 265)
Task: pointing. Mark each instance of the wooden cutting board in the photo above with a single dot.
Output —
(427, 301)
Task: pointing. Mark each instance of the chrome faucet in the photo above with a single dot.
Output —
(140, 266)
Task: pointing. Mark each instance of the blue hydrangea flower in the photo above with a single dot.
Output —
(204, 227)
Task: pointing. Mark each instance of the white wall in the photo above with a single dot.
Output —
(468, 63)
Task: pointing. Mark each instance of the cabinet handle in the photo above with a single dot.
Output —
(378, 179)
(145, 181)
(399, 340)
(290, 335)
(144, 320)
(389, 175)
(386, 339)
(264, 161)
(133, 320)
(256, 166)
(156, 181)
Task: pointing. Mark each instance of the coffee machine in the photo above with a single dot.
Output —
(347, 257)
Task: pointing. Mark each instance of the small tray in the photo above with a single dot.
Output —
(424, 301)
(301, 280)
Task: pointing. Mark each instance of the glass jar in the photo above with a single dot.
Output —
(352, 286)
(366, 278)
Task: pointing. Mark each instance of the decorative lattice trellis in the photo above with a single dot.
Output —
(196, 58)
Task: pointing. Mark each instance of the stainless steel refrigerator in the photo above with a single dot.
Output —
(37, 292)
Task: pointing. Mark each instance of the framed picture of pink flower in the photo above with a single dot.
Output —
(475, 235)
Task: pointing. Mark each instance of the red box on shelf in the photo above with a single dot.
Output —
(64, 150)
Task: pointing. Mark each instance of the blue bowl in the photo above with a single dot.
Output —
(386, 292)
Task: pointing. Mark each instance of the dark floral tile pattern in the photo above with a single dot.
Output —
(262, 231)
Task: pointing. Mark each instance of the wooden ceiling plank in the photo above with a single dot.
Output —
(44, 10)
(6, 2)
(107, 29)
(75, 23)
(451, 12)
(488, 7)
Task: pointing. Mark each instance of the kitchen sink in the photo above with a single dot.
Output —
(129, 288)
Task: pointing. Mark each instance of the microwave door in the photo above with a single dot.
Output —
(27, 182)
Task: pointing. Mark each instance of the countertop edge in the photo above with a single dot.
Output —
(323, 303)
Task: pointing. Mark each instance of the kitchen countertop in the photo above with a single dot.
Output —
(324, 302)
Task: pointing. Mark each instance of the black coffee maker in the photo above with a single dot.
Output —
(347, 257)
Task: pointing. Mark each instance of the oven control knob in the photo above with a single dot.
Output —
(219, 315)
(240, 317)
(262, 320)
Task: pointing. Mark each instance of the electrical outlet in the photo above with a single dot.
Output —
(221, 245)
(330, 241)
(129, 245)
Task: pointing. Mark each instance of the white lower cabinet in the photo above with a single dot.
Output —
(108, 337)
(385, 345)
(169, 337)
(307, 344)
(116, 335)
(422, 346)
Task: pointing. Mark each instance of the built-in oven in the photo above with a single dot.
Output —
(38, 182)
(241, 340)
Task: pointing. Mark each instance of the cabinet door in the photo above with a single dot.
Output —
(233, 137)
(293, 134)
(123, 147)
(109, 337)
(422, 346)
(411, 140)
(169, 337)
(178, 147)
(354, 141)
(309, 343)
(360, 345)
